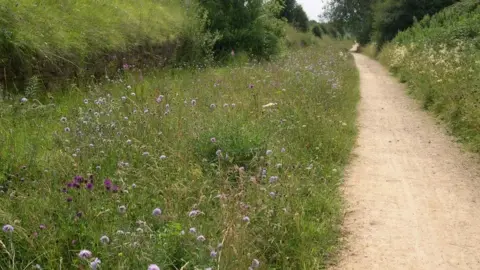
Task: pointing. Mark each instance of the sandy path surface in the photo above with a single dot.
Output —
(413, 197)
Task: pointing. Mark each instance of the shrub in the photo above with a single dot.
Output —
(317, 31)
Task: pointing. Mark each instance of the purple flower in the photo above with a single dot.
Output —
(85, 254)
(272, 194)
(69, 199)
(213, 254)
(157, 212)
(153, 267)
(194, 213)
(115, 189)
(201, 238)
(273, 179)
(213, 140)
(246, 219)
(126, 66)
(42, 227)
(269, 152)
(159, 99)
(251, 86)
(96, 263)
(255, 263)
(107, 183)
(89, 186)
(23, 100)
(8, 228)
(192, 230)
(78, 179)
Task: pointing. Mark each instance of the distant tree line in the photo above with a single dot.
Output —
(379, 21)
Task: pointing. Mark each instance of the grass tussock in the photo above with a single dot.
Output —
(439, 58)
(213, 168)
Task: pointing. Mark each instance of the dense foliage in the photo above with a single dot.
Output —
(380, 20)
(439, 58)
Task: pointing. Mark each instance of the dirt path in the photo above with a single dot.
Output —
(413, 197)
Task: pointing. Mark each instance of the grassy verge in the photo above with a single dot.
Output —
(54, 38)
(243, 161)
(439, 58)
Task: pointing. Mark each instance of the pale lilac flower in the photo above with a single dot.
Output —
(233, 105)
(225, 105)
(255, 263)
(201, 238)
(129, 141)
(95, 264)
(23, 100)
(122, 209)
(91, 145)
(145, 154)
(219, 152)
(194, 213)
(219, 246)
(283, 150)
(278, 166)
(157, 212)
(272, 194)
(246, 219)
(194, 102)
(37, 266)
(85, 101)
(85, 254)
(213, 254)
(213, 106)
(162, 157)
(145, 111)
(8, 228)
(124, 98)
(192, 230)
(182, 232)
(273, 179)
(269, 152)
(67, 129)
(104, 239)
(42, 227)
(63, 119)
(139, 230)
(120, 232)
(159, 99)
(134, 185)
(153, 267)
(213, 140)
(74, 155)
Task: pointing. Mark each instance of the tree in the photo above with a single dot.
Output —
(317, 31)
(300, 19)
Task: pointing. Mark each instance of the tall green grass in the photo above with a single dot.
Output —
(439, 58)
(55, 36)
(250, 156)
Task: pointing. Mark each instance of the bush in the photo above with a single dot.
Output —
(249, 26)
(317, 31)
(438, 58)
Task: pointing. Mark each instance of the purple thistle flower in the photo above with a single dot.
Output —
(107, 183)
(8, 228)
(251, 86)
(126, 66)
(157, 212)
(42, 227)
(246, 219)
(213, 254)
(201, 238)
(115, 189)
(153, 267)
(78, 179)
(192, 230)
(85, 254)
(90, 186)
(69, 199)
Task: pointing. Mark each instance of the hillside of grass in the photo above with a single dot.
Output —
(68, 38)
(439, 59)
(217, 168)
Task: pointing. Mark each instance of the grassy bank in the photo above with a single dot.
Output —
(439, 59)
(243, 161)
(55, 38)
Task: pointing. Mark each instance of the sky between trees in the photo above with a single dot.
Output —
(313, 8)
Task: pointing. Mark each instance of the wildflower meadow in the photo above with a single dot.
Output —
(236, 167)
